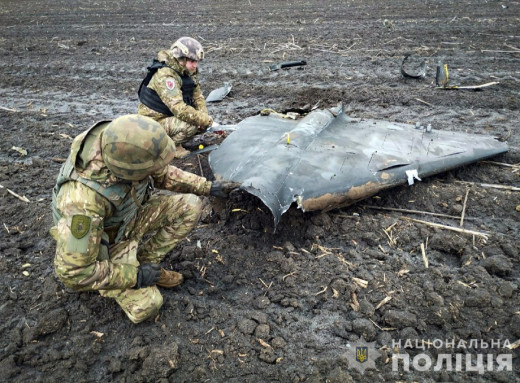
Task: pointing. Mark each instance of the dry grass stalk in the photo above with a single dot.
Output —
(458, 230)
(360, 282)
(423, 252)
(286, 47)
(8, 109)
(268, 287)
(388, 232)
(200, 166)
(497, 51)
(464, 208)
(403, 272)
(424, 102)
(512, 47)
(264, 343)
(324, 250)
(321, 291)
(345, 262)
(502, 164)
(375, 324)
(412, 211)
(503, 187)
(21, 198)
(469, 286)
(383, 302)
(494, 186)
(355, 303)
(288, 275)
(389, 228)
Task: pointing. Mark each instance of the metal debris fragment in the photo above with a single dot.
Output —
(415, 72)
(332, 160)
(219, 93)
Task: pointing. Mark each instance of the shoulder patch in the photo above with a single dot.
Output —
(170, 83)
(80, 226)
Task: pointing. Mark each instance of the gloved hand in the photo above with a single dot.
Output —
(203, 128)
(147, 275)
(223, 188)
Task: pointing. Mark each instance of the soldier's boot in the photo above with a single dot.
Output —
(170, 279)
(180, 152)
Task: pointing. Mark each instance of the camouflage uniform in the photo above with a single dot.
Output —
(187, 121)
(101, 221)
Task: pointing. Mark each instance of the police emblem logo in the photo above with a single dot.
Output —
(80, 226)
(170, 83)
(361, 354)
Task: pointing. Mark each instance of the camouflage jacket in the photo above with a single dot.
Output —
(167, 82)
(92, 208)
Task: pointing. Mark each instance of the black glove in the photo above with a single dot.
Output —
(147, 275)
(223, 188)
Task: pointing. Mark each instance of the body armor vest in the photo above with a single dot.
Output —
(151, 99)
(187, 88)
(125, 207)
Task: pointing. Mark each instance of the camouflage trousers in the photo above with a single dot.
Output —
(179, 131)
(169, 219)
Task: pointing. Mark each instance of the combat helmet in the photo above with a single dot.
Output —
(187, 47)
(134, 146)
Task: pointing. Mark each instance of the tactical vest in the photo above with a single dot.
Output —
(151, 99)
(187, 88)
(125, 206)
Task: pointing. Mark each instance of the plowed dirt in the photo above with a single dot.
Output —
(259, 306)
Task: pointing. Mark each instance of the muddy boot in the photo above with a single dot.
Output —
(180, 152)
(170, 279)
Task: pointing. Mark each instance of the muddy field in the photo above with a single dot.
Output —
(259, 306)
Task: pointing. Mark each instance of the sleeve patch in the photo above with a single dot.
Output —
(80, 226)
(170, 83)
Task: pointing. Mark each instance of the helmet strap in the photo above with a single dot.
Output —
(134, 194)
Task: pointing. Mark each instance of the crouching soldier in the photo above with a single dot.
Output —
(111, 232)
(171, 94)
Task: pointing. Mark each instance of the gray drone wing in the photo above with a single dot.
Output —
(328, 160)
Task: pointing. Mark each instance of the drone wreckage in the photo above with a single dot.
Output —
(327, 160)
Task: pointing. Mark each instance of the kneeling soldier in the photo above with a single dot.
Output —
(171, 93)
(103, 210)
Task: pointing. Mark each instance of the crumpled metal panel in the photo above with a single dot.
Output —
(219, 93)
(328, 160)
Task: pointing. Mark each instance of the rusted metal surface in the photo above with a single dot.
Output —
(328, 160)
